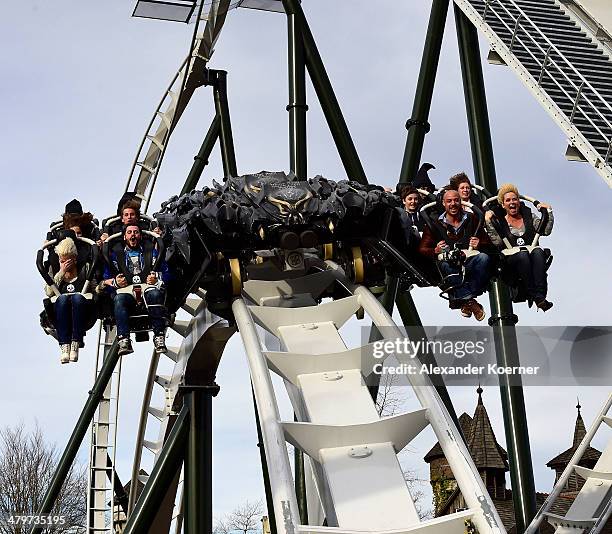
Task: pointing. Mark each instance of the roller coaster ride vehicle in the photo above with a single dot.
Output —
(213, 235)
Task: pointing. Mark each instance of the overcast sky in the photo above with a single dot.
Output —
(80, 83)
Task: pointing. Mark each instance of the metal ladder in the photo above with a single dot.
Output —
(170, 385)
(592, 507)
(562, 65)
(354, 473)
(102, 511)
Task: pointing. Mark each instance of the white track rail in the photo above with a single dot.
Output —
(592, 507)
(190, 76)
(358, 481)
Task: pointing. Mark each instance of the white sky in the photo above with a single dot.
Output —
(81, 81)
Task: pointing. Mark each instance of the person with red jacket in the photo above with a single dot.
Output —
(457, 232)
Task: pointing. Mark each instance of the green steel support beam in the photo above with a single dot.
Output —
(297, 107)
(121, 497)
(264, 469)
(199, 460)
(502, 319)
(222, 108)
(417, 127)
(80, 429)
(300, 483)
(418, 124)
(327, 98)
(201, 160)
(167, 465)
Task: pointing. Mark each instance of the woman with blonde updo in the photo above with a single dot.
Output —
(518, 226)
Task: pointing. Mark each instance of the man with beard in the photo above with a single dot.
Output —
(145, 286)
(464, 275)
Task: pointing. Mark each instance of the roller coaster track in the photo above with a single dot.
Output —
(189, 77)
(101, 499)
(337, 424)
(354, 473)
(592, 508)
(353, 468)
(209, 334)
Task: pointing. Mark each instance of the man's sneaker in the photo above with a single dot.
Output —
(74, 351)
(125, 346)
(65, 353)
(159, 342)
(466, 310)
(544, 305)
(477, 310)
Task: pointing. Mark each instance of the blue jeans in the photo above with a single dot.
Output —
(477, 276)
(72, 313)
(125, 304)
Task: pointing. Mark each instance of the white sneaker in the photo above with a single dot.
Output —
(74, 351)
(65, 357)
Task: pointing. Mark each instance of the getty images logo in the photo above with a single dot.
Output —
(411, 348)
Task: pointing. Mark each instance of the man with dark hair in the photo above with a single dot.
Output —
(454, 234)
(128, 212)
(134, 268)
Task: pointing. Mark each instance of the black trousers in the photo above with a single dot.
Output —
(531, 269)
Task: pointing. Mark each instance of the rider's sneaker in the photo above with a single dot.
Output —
(125, 346)
(74, 351)
(466, 310)
(65, 353)
(159, 342)
(544, 305)
(477, 310)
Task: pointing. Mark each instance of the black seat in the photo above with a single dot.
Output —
(509, 277)
(113, 225)
(513, 281)
(87, 266)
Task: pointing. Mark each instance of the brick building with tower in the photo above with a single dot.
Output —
(492, 463)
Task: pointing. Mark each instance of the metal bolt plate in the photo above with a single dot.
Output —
(330, 377)
(360, 452)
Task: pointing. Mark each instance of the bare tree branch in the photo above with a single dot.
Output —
(27, 465)
(389, 400)
(247, 517)
(222, 526)
(415, 485)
